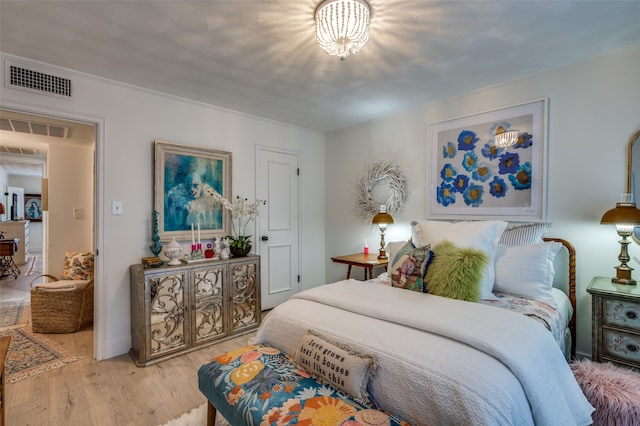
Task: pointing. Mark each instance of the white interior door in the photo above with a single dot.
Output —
(278, 226)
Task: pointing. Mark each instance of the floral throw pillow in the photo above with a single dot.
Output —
(78, 266)
(409, 267)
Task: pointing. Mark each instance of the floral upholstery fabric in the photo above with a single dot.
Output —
(409, 267)
(259, 385)
(78, 266)
(551, 318)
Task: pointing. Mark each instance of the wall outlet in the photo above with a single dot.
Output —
(116, 208)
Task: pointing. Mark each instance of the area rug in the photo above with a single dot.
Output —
(30, 354)
(34, 267)
(14, 313)
(613, 391)
(197, 416)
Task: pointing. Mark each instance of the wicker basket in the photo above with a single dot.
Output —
(61, 311)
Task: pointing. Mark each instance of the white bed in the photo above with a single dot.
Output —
(441, 360)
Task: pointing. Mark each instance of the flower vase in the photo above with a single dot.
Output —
(239, 251)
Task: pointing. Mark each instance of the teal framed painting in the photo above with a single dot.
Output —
(473, 175)
(33, 207)
(186, 178)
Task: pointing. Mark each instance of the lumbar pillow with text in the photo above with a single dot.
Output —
(480, 235)
(456, 272)
(336, 365)
(409, 267)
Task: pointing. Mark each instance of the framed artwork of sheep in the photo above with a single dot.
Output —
(186, 178)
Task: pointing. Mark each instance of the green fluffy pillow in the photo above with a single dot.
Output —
(456, 272)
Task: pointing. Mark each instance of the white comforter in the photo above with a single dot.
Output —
(440, 361)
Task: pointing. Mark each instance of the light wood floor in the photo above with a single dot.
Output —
(110, 392)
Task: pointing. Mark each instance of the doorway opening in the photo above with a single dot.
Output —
(66, 160)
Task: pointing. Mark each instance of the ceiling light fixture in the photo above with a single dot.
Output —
(342, 26)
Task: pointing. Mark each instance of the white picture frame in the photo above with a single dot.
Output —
(469, 177)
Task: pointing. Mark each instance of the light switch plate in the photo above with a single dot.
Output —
(116, 208)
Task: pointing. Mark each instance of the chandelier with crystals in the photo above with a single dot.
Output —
(342, 26)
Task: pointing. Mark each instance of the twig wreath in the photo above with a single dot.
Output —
(365, 205)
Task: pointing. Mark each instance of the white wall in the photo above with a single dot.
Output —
(133, 118)
(70, 186)
(593, 111)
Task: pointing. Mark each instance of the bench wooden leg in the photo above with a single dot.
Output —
(211, 414)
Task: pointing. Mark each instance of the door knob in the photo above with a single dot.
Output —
(265, 238)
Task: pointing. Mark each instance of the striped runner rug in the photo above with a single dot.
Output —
(34, 266)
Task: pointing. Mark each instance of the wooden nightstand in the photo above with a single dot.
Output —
(616, 322)
(366, 261)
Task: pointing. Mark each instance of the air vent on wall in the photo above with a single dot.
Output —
(23, 78)
(33, 128)
(18, 150)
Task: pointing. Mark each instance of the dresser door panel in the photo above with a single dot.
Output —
(245, 310)
(167, 329)
(208, 304)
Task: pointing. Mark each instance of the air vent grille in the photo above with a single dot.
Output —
(18, 150)
(33, 128)
(29, 79)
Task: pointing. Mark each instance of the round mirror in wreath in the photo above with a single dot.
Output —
(371, 183)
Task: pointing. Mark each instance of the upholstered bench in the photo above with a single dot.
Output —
(613, 391)
(259, 385)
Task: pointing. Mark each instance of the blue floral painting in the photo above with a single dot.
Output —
(474, 175)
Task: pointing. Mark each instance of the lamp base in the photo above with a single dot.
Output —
(623, 276)
(383, 255)
(623, 281)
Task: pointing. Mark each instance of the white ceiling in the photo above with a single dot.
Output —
(261, 57)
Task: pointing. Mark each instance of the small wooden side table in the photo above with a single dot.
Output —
(367, 261)
(616, 322)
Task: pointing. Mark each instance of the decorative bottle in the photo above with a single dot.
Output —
(209, 253)
(155, 247)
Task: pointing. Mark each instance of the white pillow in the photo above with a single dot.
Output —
(527, 270)
(481, 235)
(62, 285)
(530, 233)
(393, 248)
